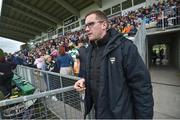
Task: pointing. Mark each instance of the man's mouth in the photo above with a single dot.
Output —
(89, 34)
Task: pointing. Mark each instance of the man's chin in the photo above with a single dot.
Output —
(90, 39)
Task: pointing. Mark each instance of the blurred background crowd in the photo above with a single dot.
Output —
(63, 53)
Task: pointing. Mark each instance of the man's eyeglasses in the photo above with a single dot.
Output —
(91, 24)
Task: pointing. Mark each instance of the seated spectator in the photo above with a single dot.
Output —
(127, 29)
(133, 31)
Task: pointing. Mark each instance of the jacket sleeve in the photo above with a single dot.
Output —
(139, 82)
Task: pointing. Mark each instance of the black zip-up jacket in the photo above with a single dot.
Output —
(124, 86)
(96, 59)
(6, 76)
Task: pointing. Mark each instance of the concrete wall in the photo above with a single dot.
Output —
(105, 4)
(175, 50)
(108, 4)
(178, 50)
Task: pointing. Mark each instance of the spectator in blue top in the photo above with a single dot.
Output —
(64, 62)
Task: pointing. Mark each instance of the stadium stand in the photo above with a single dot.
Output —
(128, 24)
(159, 16)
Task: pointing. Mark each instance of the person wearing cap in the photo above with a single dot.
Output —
(6, 76)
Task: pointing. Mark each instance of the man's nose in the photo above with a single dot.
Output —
(86, 29)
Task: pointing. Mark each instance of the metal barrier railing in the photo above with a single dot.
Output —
(45, 80)
(54, 97)
(67, 105)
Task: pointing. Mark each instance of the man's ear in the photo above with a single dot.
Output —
(105, 25)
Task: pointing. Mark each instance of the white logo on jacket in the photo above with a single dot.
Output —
(1, 73)
(112, 59)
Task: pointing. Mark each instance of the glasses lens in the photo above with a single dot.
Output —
(91, 24)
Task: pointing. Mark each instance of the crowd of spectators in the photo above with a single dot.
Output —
(45, 55)
(167, 12)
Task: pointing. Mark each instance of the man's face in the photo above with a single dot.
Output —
(95, 29)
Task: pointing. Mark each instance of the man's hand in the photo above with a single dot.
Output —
(79, 85)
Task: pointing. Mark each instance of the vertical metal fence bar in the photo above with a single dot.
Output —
(82, 96)
(27, 71)
(163, 22)
(21, 71)
(26, 74)
(31, 77)
(63, 98)
(47, 80)
(46, 109)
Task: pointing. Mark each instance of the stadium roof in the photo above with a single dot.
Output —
(22, 20)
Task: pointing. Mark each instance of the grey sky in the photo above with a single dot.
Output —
(9, 46)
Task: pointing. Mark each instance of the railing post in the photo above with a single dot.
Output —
(47, 80)
(26, 74)
(32, 77)
(23, 72)
(163, 20)
(65, 112)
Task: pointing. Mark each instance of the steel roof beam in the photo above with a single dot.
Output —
(21, 23)
(98, 2)
(5, 30)
(35, 17)
(37, 11)
(18, 28)
(68, 7)
(13, 37)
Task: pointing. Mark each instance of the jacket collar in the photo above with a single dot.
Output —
(101, 42)
(114, 41)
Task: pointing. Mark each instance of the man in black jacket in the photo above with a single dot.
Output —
(6, 76)
(117, 81)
